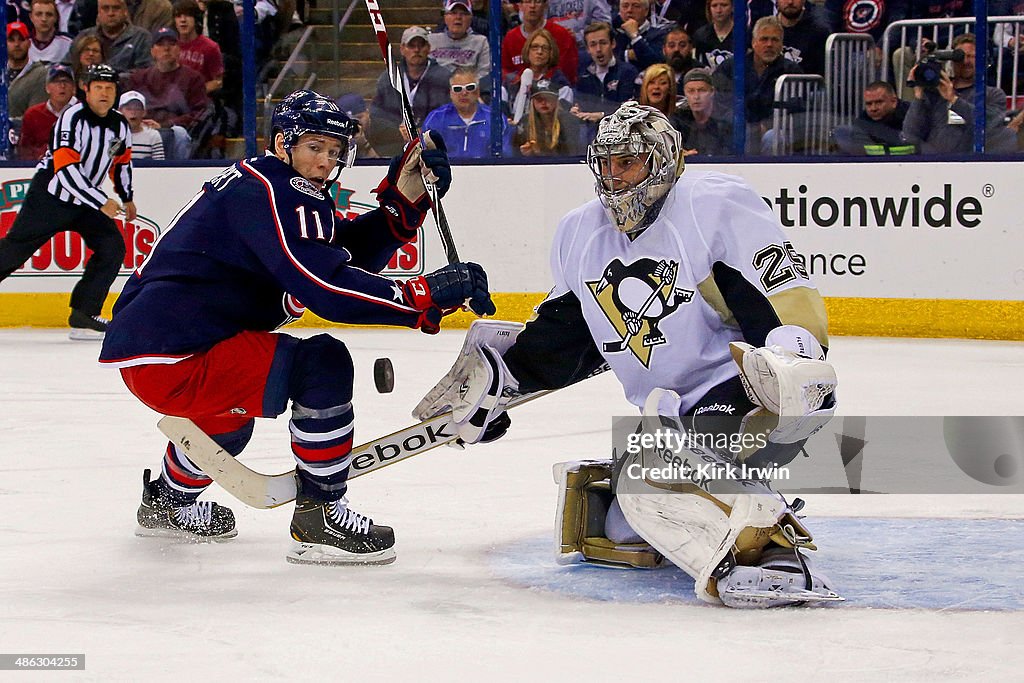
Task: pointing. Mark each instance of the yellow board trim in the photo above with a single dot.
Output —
(929, 318)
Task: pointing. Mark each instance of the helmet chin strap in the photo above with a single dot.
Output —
(334, 177)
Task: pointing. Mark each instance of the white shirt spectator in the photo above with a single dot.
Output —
(54, 51)
(146, 144)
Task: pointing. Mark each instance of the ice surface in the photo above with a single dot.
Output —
(474, 594)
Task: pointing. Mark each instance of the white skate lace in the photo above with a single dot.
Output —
(348, 519)
(199, 513)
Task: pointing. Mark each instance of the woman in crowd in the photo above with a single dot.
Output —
(540, 54)
(658, 89)
(85, 51)
(547, 130)
(713, 41)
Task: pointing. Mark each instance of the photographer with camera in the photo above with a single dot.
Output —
(941, 116)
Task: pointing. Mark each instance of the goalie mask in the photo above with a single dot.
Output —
(643, 135)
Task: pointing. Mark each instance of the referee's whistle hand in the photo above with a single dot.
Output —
(129, 212)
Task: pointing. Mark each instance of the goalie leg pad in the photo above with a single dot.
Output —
(584, 498)
(703, 529)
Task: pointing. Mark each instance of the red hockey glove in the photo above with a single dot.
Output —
(445, 290)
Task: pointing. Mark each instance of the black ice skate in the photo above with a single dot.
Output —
(331, 533)
(86, 327)
(160, 516)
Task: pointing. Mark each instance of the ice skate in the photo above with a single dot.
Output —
(331, 533)
(783, 578)
(86, 327)
(200, 522)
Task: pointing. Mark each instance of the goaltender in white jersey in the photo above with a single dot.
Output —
(686, 287)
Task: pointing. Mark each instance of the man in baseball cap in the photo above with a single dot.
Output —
(165, 33)
(146, 140)
(702, 132)
(38, 120)
(461, 46)
(426, 83)
(412, 33)
(354, 105)
(17, 49)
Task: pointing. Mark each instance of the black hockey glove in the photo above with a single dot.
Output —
(445, 290)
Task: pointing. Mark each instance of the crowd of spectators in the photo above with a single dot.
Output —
(180, 63)
(564, 65)
(567, 63)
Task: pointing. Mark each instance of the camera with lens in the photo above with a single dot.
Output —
(928, 71)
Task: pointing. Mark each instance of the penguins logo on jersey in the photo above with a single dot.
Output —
(636, 298)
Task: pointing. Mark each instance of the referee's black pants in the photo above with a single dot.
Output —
(41, 217)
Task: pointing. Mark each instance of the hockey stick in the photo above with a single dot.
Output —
(395, 75)
(260, 490)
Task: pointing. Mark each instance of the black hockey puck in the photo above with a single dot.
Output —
(384, 375)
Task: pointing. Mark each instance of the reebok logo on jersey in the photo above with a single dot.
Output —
(716, 408)
(306, 187)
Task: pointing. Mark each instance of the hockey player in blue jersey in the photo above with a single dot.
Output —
(192, 329)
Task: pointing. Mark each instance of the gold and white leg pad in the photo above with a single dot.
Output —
(708, 534)
(584, 498)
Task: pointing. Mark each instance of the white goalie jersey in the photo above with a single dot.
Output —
(713, 268)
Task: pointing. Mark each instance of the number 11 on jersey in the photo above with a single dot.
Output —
(303, 228)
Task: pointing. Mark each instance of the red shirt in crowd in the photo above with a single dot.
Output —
(174, 98)
(512, 51)
(36, 127)
(203, 55)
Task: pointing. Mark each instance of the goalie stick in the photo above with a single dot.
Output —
(395, 75)
(260, 490)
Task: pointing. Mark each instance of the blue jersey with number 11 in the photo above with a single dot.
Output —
(242, 254)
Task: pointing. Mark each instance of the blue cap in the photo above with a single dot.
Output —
(164, 33)
(59, 71)
(351, 104)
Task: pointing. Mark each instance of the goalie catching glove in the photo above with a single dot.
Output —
(479, 386)
(403, 192)
(445, 291)
(789, 377)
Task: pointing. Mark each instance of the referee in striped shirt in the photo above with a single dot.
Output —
(89, 140)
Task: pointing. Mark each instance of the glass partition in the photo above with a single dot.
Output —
(530, 80)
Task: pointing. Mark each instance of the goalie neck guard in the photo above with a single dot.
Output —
(643, 132)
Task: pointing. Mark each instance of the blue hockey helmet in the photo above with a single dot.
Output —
(305, 111)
